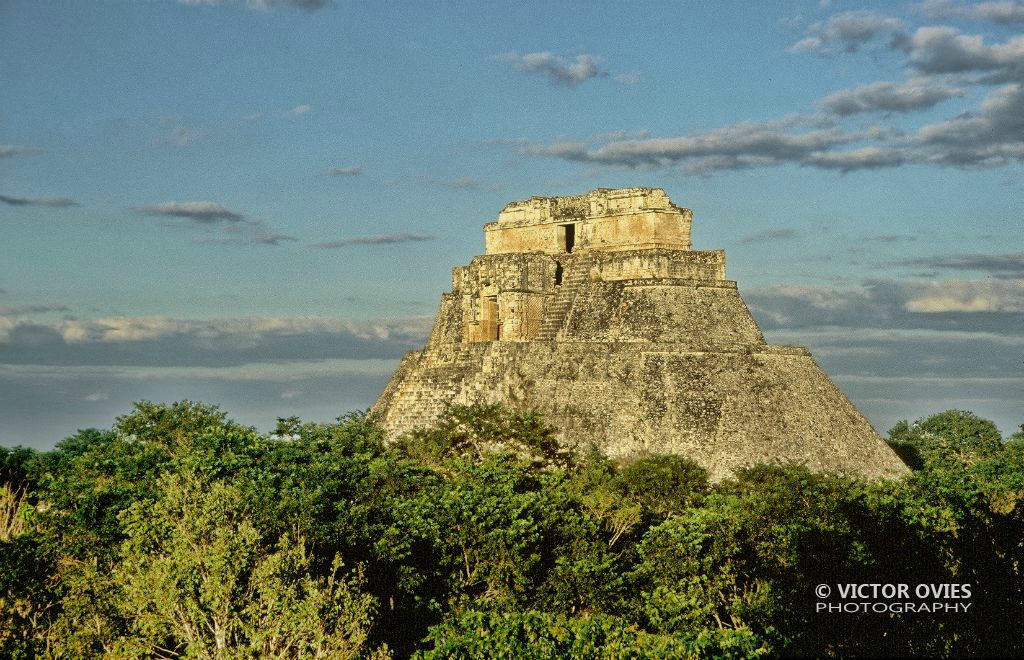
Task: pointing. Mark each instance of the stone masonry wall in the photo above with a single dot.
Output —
(602, 219)
(723, 409)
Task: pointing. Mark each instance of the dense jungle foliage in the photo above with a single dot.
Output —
(179, 533)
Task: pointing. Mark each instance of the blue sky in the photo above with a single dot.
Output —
(257, 204)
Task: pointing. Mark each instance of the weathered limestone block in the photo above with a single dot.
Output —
(656, 262)
(661, 310)
(629, 348)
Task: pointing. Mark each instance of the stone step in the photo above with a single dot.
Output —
(558, 308)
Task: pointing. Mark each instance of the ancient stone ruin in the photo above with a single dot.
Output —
(594, 310)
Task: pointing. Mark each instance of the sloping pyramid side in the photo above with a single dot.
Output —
(663, 366)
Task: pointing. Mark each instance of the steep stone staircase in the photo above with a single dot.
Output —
(558, 308)
(419, 402)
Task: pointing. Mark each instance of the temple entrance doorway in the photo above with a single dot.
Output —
(567, 237)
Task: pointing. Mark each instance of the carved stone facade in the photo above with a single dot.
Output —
(594, 310)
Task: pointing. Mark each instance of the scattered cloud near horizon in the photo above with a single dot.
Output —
(994, 306)
(55, 202)
(48, 403)
(25, 310)
(966, 296)
(903, 348)
(889, 336)
(171, 341)
(1003, 266)
(375, 239)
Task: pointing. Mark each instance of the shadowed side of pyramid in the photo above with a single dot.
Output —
(594, 310)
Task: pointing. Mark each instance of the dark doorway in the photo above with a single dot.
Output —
(558, 273)
(568, 237)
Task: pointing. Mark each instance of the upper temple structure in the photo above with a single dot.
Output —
(594, 310)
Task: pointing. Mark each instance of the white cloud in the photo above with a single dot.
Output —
(992, 135)
(866, 158)
(297, 111)
(966, 296)
(271, 238)
(278, 371)
(559, 70)
(1007, 265)
(203, 212)
(889, 306)
(25, 310)
(267, 5)
(457, 183)
(54, 202)
(375, 239)
(998, 12)
(807, 45)
(11, 150)
(1006, 12)
(236, 228)
(144, 328)
(936, 50)
(740, 146)
(308, 5)
(463, 183)
(180, 136)
(847, 32)
(770, 235)
(351, 170)
(164, 341)
(888, 97)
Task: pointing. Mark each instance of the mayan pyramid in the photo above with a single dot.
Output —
(595, 310)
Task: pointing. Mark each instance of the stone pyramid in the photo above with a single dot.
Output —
(595, 310)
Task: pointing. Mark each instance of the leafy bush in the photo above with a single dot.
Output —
(179, 532)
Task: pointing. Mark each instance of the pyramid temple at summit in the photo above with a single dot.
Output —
(595, 310)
